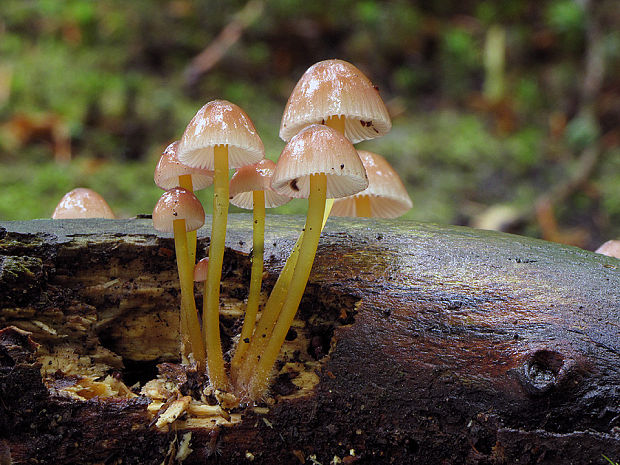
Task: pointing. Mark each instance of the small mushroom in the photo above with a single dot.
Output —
(179, 211)
(250, 188)
(336, 93)
(219, 137)
(385, 196)
(310, 159)
(201, 270)
(82, 203)
(170, 172)
(610, 248)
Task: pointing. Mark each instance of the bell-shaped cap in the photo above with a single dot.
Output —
(386, 191)
(220, 122)
(201, 270)
(319, 149)
(250, 178)
(336, 88)
(169, 168)
(82, 203)
(176, 204)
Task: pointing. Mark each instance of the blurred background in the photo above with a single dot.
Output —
(506, 113)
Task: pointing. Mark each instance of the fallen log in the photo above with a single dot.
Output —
(414, 343)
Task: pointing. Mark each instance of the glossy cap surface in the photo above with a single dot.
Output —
(82, 203)
(257, 177)
(319, 149)
(386, 191)
(201, 270)
(175, 204)
(336, 88)
(220, 122)
(169, 168)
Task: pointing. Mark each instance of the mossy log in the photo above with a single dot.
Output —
(414, 343)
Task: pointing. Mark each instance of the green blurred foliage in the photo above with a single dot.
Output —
(114, 74)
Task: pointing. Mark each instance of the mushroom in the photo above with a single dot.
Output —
(170, 172)
(201, 270)
(250, 188)
(610, 248)
(219, 137)
(336, 93)
(179, 211)
(385, 196)
(82, 203)
(315, 164)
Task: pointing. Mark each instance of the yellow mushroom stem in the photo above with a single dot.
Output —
(252, 347)
(256, 278)
(243, 370)
(362, 206)
(189, 315)
(307, 251)
(185, 181)
(337, 123)
(211, 306)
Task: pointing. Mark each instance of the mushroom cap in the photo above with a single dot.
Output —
(336, 88)
(319, 149)
(82, 203)
(175, 204)
(256, 177)
(220, 122)
(201, 270)
(169, 168)
(610, 248)
(388, 195)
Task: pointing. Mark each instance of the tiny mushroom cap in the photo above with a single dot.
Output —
(169, 168)
(387, 193)
(336, 88)
(319, 149)
(220, 122)
(201, 270)
(257, 177)
(82, 203)
(176, 204)
(610, 248)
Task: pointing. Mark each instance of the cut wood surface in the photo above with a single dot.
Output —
(414, 343)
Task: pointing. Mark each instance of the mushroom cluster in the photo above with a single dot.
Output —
(332, 107)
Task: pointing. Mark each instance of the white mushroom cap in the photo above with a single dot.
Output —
(250, 178)
(388, 195)
(175, 204)
(169, 168)
(82, 203)
(319, 149)
(336, 88)
(220, 122)
(610, 248)
(201, 270)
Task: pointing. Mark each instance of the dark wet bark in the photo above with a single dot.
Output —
(432, 345)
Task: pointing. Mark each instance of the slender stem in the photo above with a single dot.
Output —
(256, 279)
(264, 328)
(185, 181)
(270, 313)
(362, 206)
(188, 305)
(211, 306)
(312, 232)
(337, 123)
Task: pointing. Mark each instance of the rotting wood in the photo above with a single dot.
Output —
(414, 344)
